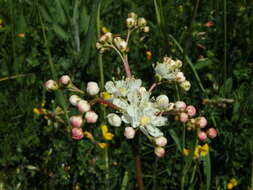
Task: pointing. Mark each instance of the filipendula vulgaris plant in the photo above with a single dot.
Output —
(136, 109)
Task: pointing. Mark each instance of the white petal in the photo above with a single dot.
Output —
(110, 87)
(120, 103)
(153, 131)
(159, 121)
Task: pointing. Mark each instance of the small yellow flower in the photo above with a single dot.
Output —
(102, 145)
(107, 135)
(37, 111)
(77, 187)
(1, 21)
(230, 186)
(104, 29)
(105, 95)
(233, 181)
(21, 35)
(186, 152)
(201, 151)
(149, 55)
(88, 135)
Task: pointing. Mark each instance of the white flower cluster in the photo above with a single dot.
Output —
(138, 109)
(169, 70)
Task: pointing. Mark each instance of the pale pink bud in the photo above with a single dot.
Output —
(212, 133)
(51, 85)
(74, 99)
(77, 133)
(91, 117)
(83, 106)
(180, 105)
(191, 110)
(65, 80)
(202, 122)
(180, 77)
(76, 121)
(92, 88)
(159, 152)
(202, 136)
(160, 141)
(129, 132)
(183, 117)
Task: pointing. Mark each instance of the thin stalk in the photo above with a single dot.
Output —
(155, 173)
(225, 40)
(252, 172)
(125, 181)
(193, 173)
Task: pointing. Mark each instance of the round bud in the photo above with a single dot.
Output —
(161, 141)
(186, 85)
(162, 101)
(180, 105)
(180, 77)
(77, 133)
(91, 117)
(114, 120)
(83, 106)
(212, 133)
(145, 29)
(191, 110)
(142, 22)
(92, 88)
(202, 122)
(65, 80)
(129, 132)
(51, 85)
(202, 136)
(159, 152)
(74, 99)
(76, 121)
(132, 15)
(131, 22)
(183, 117)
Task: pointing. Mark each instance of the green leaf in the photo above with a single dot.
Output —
(60, 32)
(176, 139)
(207, 170)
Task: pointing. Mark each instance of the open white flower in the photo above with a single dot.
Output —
(140, 112)
(122, 87)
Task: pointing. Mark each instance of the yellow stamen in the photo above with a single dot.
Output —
(104, 29)
(144, 120)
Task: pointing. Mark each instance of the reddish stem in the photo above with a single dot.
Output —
(102, 101)
(127, 68)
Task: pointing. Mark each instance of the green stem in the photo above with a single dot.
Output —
(252, 172)
(155, 173)
(225, 40)
(125, 181)
(193, 173)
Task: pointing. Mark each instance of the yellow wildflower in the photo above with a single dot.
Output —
(107, 135)
(233, 181)
(37, 111)
(230, 186)
(102, 145)
(77, 187)
(104, 29)
(149, 55)
(201, 151)
(186, 152)
(88, 135)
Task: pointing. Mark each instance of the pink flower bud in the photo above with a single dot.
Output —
(65, 80)
(180, 77)
(202, 136)
(51, 85)
(83, 106)
(77, 133)
(202, 122)
(91, 117)
(183, 117)
(191, 110)
(161, 141)
(159, 152)
(180, 105)
(76, 121)
(74, 99)
(212, 133)
(129, 132)
(92, 88)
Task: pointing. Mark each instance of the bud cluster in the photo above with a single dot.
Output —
(170, 70)
(133, 22)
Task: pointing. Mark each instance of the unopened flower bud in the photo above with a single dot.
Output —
(114, 120)
(212, 133)
(180, 77)
(92, 88)
(120, 44)
(161, 141)
(202, 122)
(83, 106)
(91, 117)
(129, 132)
(145, 29)
(107, 37)
(202, 136)
(178, 63)
(131, 22)
(162, 101)
(74, 99)
(183, 117)
(159, 152)
(65, 80)
(132, 15)
(191, 110)
(186, 85)
(77, 133)
(180, 105)
(51, 85)
(142, 22)
(76, 121)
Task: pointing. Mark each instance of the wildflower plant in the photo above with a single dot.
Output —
(134, 107)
